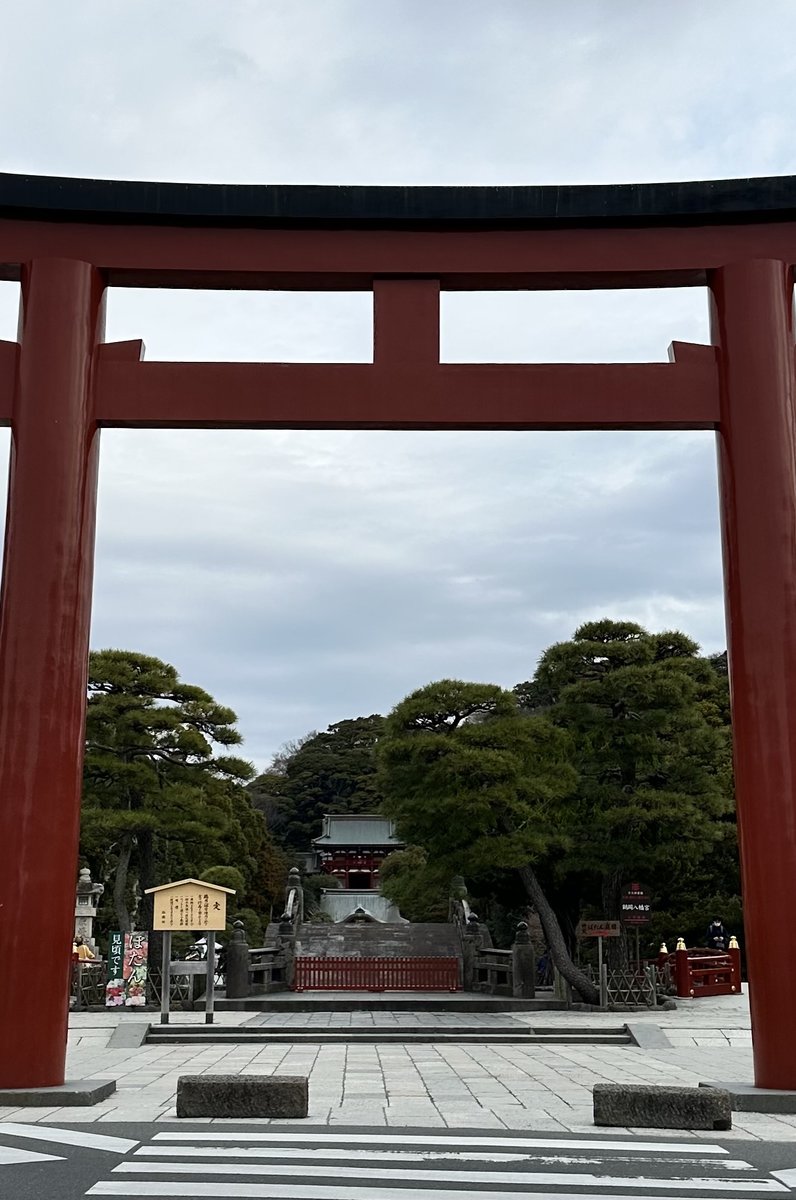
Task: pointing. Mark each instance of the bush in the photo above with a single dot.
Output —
(253, 926)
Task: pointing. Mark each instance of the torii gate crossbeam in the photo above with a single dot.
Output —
(66, 241)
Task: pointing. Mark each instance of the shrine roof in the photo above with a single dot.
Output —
(344, 829)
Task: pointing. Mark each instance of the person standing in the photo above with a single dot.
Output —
(717, 937)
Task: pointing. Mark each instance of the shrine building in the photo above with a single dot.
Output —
(353, 847)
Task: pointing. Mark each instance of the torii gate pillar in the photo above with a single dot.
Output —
(752, 304)
(45, 612)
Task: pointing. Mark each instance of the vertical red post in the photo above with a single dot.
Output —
(45, 609)
(405, 322)
(682, 972)
(752, 326)
(735, 965)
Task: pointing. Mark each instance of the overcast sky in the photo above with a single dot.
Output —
(305, 577)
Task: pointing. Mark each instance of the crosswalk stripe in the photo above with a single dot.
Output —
(333, 1153)
(69, 1137)
(284, 1191)
(469, 1139)
(10, 1156)
(365, 1176)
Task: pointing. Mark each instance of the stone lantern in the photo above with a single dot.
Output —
(87, 899)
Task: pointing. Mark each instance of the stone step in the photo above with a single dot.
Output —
(303, 1002)
(226, 1035)
(383, 1002)
(374, 941)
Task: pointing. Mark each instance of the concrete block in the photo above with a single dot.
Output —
(648, 1036)
(242, 1096)
(128, 1036)
(75, 1093)
(648, 1107)
(745, 1097)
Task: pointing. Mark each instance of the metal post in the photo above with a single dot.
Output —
(600, 964)
(211, 977)
(165, 980)
(602, 975)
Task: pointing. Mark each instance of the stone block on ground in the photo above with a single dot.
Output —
(75, 1093)
(648, 1107)
(745, 1097)
(243, 1096)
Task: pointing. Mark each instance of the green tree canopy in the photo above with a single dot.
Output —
(331, 772)
(420, 888)
(478, 784)
(162, 798)
(648, 723)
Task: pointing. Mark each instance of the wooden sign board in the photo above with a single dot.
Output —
(599, 929)
(190, 906)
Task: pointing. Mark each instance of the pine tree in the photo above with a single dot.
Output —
(648, 722)
(159, 802)
(479, 785)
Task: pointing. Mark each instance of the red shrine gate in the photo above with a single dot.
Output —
(67, 240)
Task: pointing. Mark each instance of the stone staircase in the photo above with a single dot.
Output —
(505, 1032)
(378, 941)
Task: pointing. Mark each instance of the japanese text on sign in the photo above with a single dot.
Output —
(190, 906)
(635, 907)
(599, 929)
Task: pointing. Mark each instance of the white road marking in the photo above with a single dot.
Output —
(455, 1143)
(788, 1177)
(364, 1176)
(69, 1137)
(9, 1156)
(331, 1154)
(288, 1191)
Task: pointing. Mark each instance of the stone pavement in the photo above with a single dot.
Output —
(539, 1087)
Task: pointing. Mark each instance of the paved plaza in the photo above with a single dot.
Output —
(539, 1087)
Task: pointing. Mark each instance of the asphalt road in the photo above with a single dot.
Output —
(298, 1162)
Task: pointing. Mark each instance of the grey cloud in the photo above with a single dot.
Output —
(352, 596)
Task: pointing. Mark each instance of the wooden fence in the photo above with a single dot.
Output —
(431, 974)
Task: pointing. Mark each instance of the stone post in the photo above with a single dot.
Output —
(86, 902)
(471, 943)
(682, 970)
(523, 963)
(294, 885)
(237, 964)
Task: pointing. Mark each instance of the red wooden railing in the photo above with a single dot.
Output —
(431, 974)
(704, 973)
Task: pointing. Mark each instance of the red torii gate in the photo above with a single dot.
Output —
(67, 240)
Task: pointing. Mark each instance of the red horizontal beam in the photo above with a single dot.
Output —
(681, 395)
(318, 259)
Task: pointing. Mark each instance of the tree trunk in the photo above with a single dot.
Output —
(120, 884)
(146, 879)
(555, 938)
(615, 948)
(146, 876)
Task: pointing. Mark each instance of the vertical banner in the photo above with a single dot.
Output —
(114, 989)
(136, 954)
